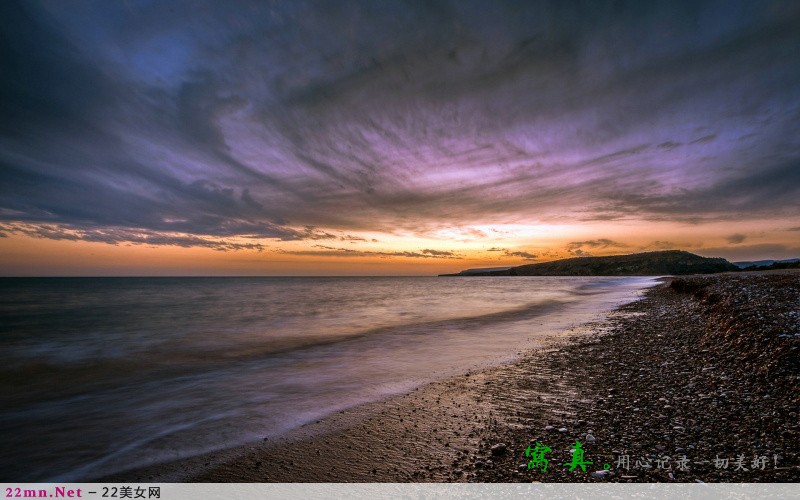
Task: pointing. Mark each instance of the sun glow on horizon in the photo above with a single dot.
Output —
(333, 252)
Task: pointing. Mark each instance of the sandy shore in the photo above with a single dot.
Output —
(699, 371)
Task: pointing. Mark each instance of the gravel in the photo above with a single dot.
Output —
(704, 369)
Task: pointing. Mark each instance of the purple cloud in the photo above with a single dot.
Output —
(313, 120)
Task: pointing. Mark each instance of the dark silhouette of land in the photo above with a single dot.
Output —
(669, 262)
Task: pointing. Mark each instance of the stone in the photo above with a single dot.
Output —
(499, 449)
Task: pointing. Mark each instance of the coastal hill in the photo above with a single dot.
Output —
(768, 265)
(669, 262)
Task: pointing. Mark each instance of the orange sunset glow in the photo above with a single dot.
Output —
(446, 250)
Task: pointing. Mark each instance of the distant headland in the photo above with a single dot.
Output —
(669, 262)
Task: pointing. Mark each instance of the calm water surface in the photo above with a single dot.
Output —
(98, 375)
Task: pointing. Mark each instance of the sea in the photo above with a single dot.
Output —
(103, 375)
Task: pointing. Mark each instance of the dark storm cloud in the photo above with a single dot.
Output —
(307, 120)
(735, 197)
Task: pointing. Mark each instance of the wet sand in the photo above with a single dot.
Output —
(700, 370)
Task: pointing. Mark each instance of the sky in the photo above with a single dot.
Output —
(393, 138)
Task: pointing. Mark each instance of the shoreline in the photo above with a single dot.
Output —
(351, 439)
(659, 377)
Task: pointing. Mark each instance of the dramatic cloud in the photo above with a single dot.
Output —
(327, 251)
(736, 238)
(511, 253)
(577, 247)
(662, 245)
(118, 236)
(438, 253)
(306, 121)
(524, 255)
